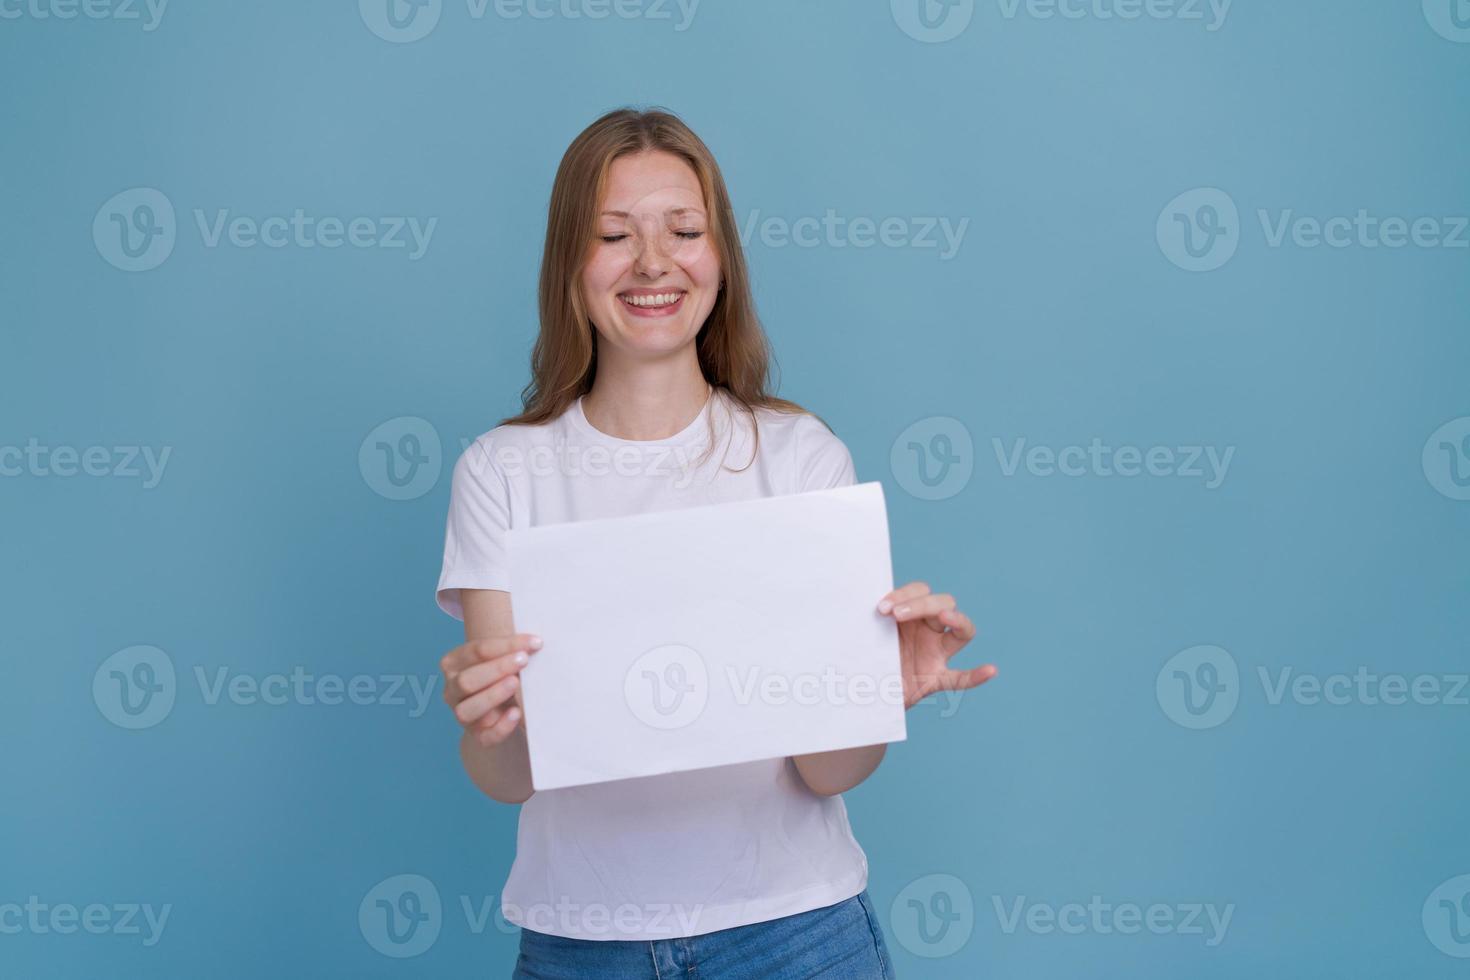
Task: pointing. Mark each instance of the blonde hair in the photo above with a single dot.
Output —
(734, 353)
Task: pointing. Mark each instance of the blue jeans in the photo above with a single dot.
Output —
(839, 942)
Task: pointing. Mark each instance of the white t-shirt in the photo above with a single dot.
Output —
(680, 854)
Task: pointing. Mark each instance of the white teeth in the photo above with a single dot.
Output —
(662, 299)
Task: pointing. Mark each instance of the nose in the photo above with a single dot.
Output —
(650, 254)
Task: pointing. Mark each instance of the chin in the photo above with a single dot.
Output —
(672, 328)
(662, 343)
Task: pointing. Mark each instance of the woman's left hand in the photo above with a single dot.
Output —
(930, 631)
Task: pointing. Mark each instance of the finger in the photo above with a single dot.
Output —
(476, 651)
(948, 680)
(473, 708)
(471, 652)
(963, 680)
(910, 591)
(455, 660)
(474, 679)
(927, 608)
(501, 730)
(493, 716)
(455, 688)
(961, 631)
(924, 685)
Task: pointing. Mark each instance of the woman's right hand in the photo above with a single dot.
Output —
(482, 684)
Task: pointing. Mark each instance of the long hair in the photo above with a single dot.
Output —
(734, 354)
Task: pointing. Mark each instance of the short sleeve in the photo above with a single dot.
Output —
(823, 460)
(475, 531)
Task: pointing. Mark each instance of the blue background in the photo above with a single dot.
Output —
(1062, 318)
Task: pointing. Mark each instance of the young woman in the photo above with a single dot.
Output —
(649, 392)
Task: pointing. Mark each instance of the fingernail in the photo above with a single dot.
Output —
(884, 606)
(521, 657)
(901, 611)
(513, 713)
(535, 643)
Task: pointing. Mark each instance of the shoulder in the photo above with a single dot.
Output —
(504, 449)
(818, 458)
(802, 429)
(522, 436)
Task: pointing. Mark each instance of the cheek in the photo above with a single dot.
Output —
(706, 271)
(599, 275)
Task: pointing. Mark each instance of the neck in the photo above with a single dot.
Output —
(655, 401)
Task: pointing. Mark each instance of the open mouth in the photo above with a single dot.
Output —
(653, 304)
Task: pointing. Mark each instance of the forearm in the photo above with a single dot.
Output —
(501, 771)
(830, 773)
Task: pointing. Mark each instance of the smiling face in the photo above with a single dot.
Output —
(652, 277)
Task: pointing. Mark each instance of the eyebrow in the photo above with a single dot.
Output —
(624, 214)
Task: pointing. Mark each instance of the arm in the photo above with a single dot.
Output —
(830, 773)
(930, 631)
(493, 746)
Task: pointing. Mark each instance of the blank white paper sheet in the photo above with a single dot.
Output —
(707, 636)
